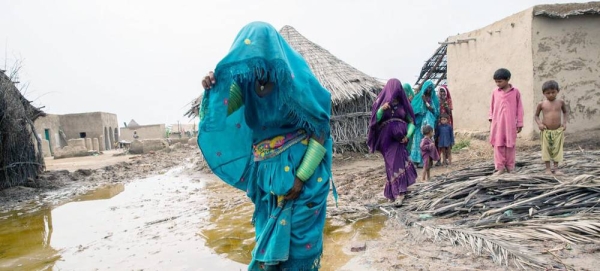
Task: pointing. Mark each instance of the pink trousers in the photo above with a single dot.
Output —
(504, 157)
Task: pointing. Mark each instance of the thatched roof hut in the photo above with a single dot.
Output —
(352, 91)
(343, 81)
(21, 157)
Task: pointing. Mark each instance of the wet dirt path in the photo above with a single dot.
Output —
(171, 221)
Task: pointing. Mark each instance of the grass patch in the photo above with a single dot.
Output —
(463, 143)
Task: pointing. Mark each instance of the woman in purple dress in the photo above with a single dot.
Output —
(391, 127)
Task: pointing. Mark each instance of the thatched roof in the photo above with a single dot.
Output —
(562, 11)
(8, 85)
(342, 80)
(21, 158)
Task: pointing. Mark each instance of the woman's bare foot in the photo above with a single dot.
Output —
(399, 201)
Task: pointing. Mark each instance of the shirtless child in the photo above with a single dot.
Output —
(552, 126)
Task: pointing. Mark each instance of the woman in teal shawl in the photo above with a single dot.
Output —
(425, 105)
(264, 129)
(410, 94)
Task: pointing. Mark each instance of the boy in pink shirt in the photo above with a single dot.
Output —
(506, 120)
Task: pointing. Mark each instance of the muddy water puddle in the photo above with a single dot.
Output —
(149, 224)
(230, 234)
(158, 223)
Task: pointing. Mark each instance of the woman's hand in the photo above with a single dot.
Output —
(296, 190)
(209, 81)
(404, 140)
(385, 106)
(429, 107)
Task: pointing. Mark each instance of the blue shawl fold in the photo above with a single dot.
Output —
(226, 141)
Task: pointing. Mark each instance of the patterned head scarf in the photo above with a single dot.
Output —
(260, 49)
(258, 52)
(418, 105)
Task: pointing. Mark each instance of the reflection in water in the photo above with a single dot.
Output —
(27, 234)
(102, 193)
(25, 237)
(232, 235)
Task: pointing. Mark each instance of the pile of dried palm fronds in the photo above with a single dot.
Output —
(492, 214)
(509, 197)
(21, 158)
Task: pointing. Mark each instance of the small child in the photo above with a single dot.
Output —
(506, 120)
(429, 152)
(554, 110)
(444, 136)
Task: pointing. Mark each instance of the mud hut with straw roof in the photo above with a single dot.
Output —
(21, 158)
(352, 92)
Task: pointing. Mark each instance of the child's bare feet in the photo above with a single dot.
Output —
(548, 171)
(499, 172)
(558, 172)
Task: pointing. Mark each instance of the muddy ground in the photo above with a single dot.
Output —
(359, 179)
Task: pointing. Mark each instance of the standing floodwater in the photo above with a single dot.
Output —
(158, 223)
(149, 224)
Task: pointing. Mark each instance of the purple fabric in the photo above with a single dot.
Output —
(428, 151)
(385, 136)
(392, 90)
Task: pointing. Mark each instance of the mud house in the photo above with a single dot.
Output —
(21, 158)
(559, 42)
(59, 129)
(152, 131)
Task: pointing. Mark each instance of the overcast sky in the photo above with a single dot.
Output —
(144, 60)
